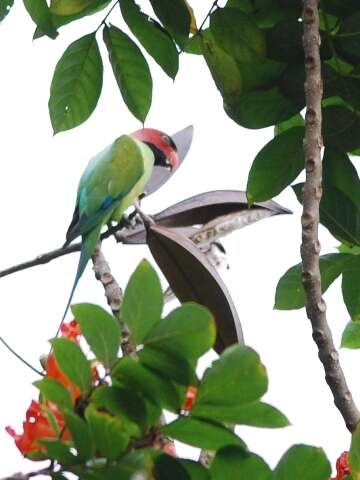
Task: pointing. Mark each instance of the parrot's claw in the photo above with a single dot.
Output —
(147, 219)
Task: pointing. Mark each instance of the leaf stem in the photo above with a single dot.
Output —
(310, 247)
(19, 357)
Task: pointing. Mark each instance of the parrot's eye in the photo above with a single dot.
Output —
(169, 141)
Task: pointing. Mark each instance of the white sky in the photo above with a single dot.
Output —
(38, 180)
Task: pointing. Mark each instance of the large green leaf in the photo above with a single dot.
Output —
(188, 331)
(169, 364)
(40, 13)
(131, 71)
(284, 41)
(69, 7)
(131, 373)
(233, 462)
(354, 454)
(351, 287)
(101, 331)
(237, 34)
(61, 20)
(289, 291)
(156, 41)
(76, 84)
(195, 469)
(262, 108)
(201, 433)
(123, 402)
(5, 7)
(168, 467)
(237, 377)
(337, 213)
(175, 17)
(260, 75)
(256, 414)
(340, 128)
(143, 302)
(73, 363)
(223, 68)
(351, 335)
(339, 172)
(60, 451)
(347, 38)
(303, 461)
(80, 435)
(55, 392)
(276, 165)
(110, 438)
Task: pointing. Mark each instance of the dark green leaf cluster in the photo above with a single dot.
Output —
(115, 428)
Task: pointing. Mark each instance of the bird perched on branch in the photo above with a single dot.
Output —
(111, 183)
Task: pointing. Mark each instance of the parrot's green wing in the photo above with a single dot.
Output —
(107, 179)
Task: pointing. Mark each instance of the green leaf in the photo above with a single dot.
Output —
(289, 291)
(347, 39)
(188, 331)
(337, 213)
(295, 121)
(262, 108)
(223, 68)
(351, 287)
(107, 431)
(284, 41)
(143, 301)
(124, 403)
(340, 128)
(54, 392)
(276, 165)
(76, 84)
(351, 335)
(338, 171)
(168, 467)
(260, 75)
(69, 7)
(101, 331)
(168, 364)
(354, 454)
(237, 377)
(175, 17)
(5, 7)
(41, 15)
(61, 20)
(195, 469)
(303, 461)
(233, 462)
(135, 376)
(156, 41)
(256, 414)
(201, 433)
(237, 34)
(60, 451)
(131, 71)
(80, 434)
(73, 363)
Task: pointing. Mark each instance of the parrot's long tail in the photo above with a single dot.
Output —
(88, 245)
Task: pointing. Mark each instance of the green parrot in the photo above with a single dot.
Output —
(111, 183)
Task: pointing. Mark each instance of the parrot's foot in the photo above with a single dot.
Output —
(147, 219)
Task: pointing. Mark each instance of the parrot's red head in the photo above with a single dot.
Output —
(162, 145)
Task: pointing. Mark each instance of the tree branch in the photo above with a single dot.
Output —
(310, 247)
(114, 295)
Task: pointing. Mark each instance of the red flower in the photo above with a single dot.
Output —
(53, 371)
(190, 397)
(71, 330)
(342, 466)
(38, 427)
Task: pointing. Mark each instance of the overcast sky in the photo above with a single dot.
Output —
(38, 180)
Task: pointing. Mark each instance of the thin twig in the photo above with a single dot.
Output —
(114, 295)
(310, 248)
(19, 357)
(27, 476)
